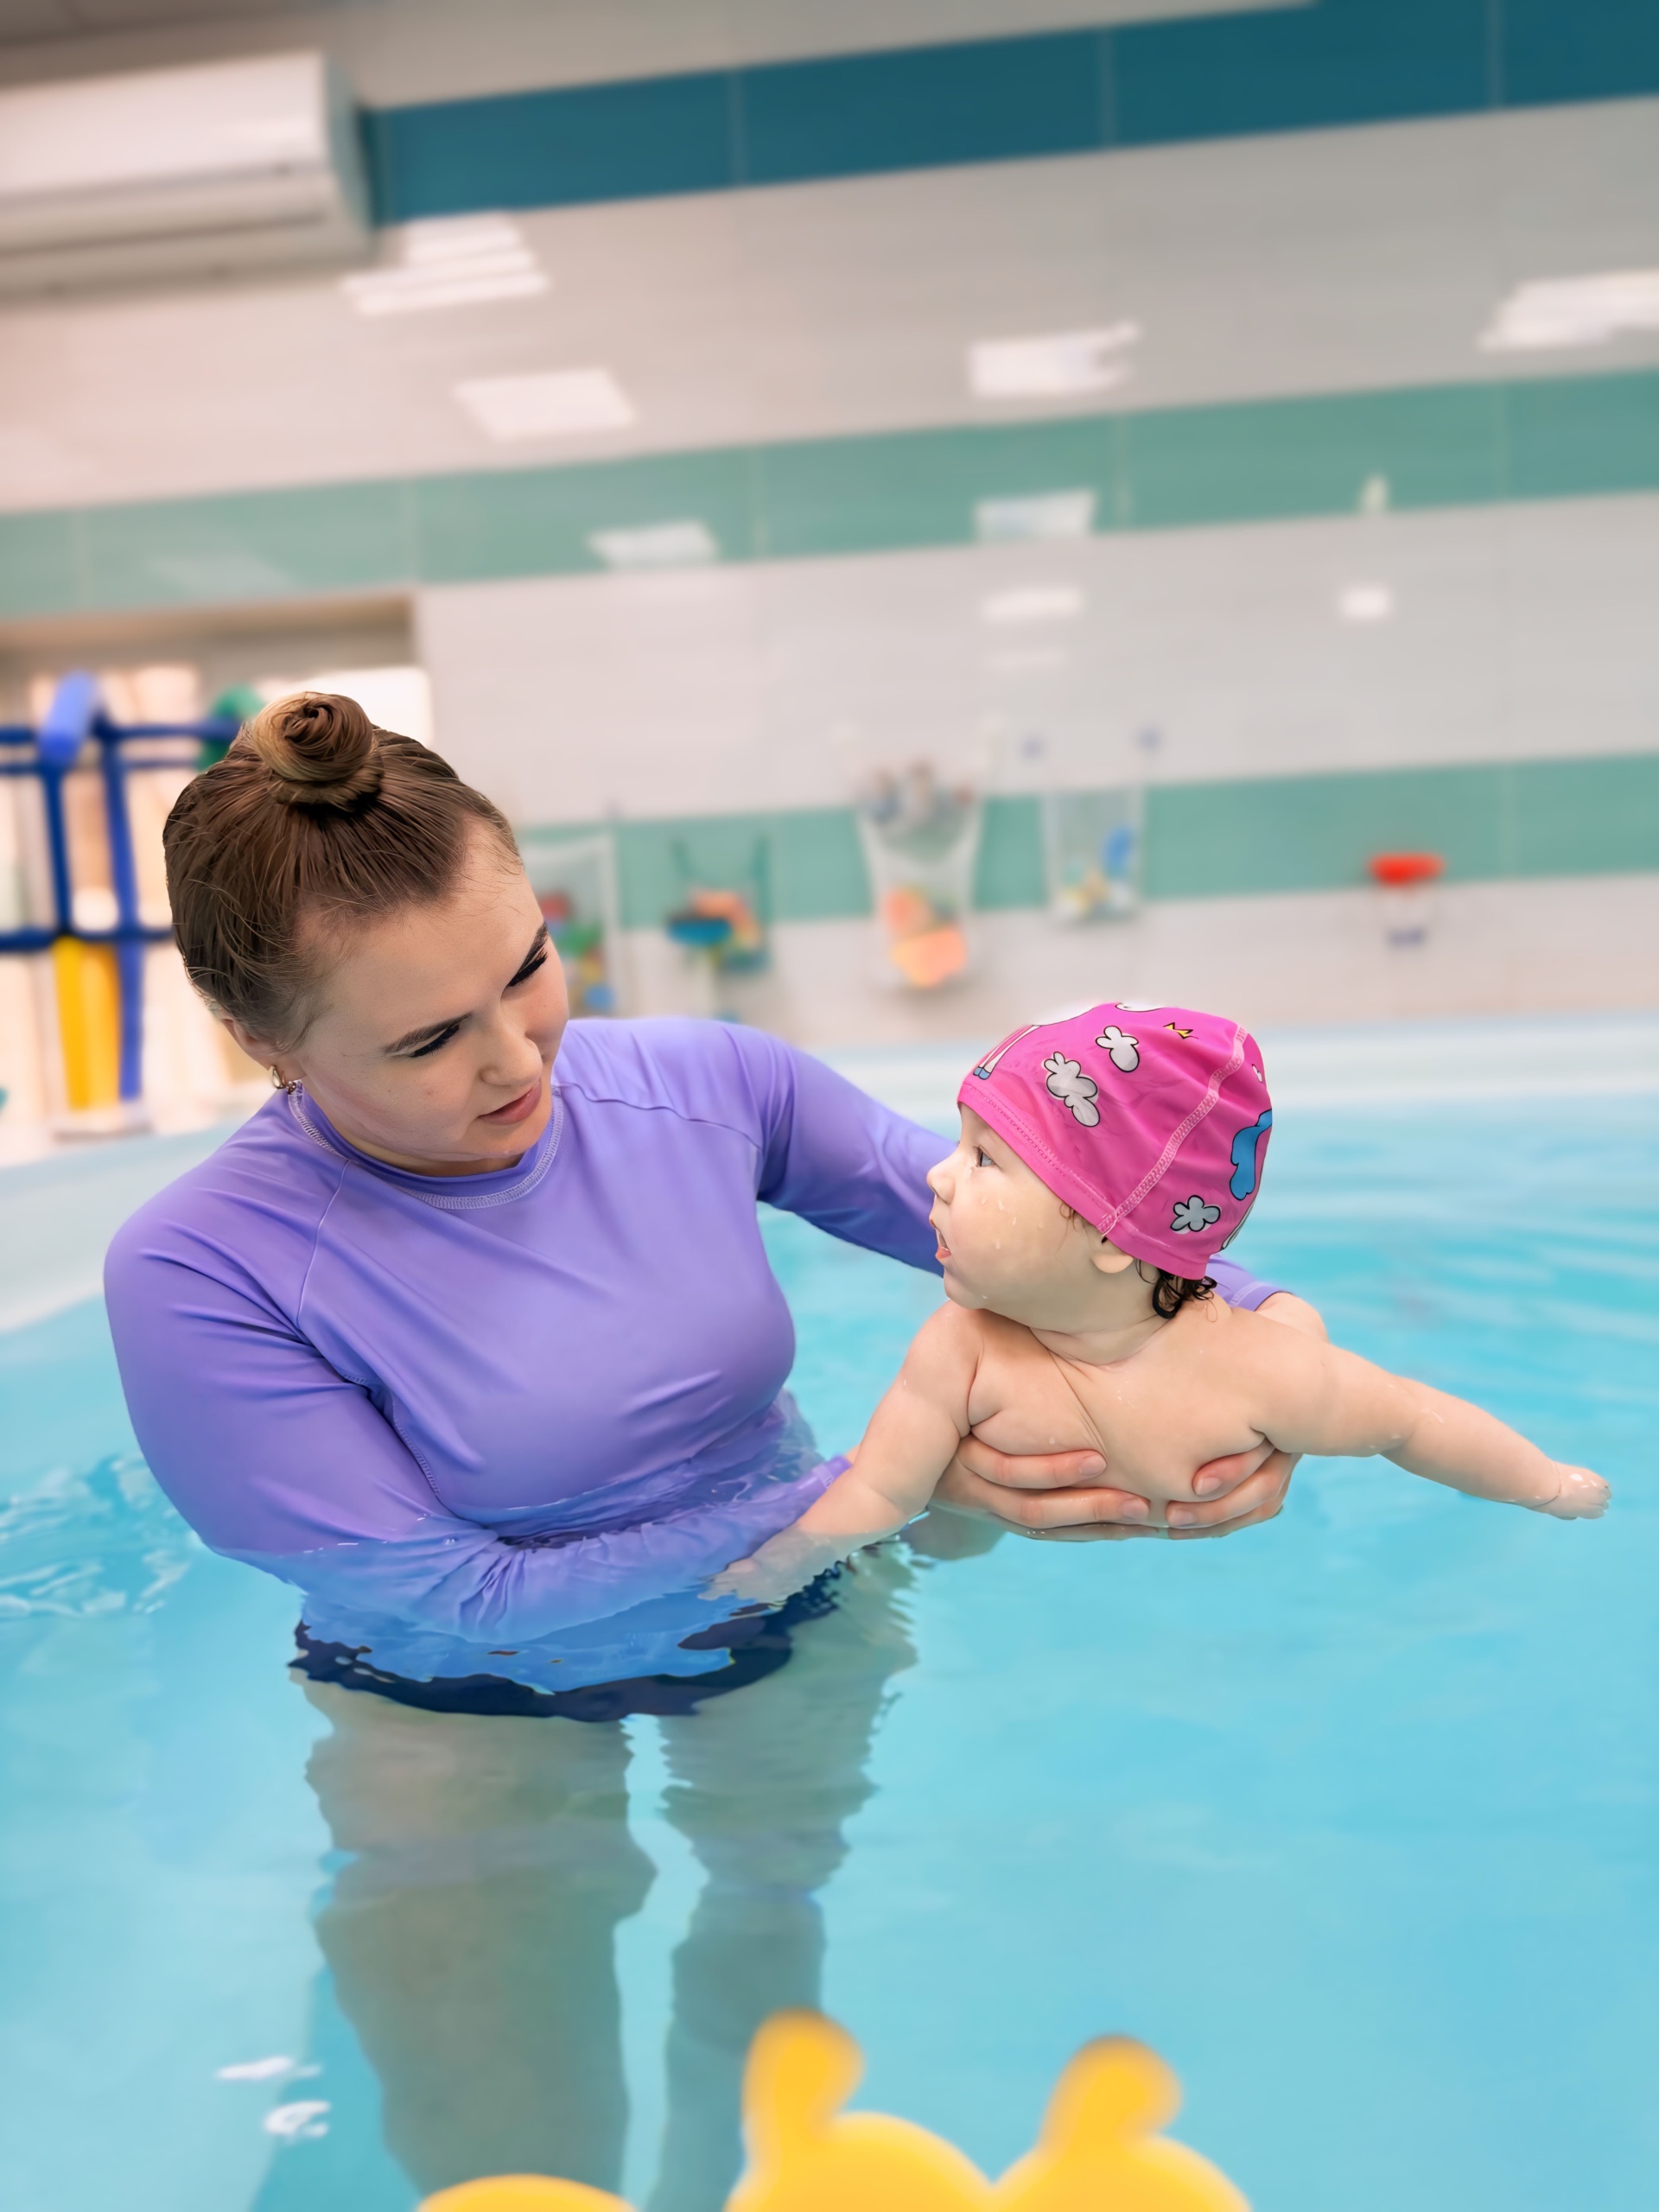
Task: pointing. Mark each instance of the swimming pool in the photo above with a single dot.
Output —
(1352, 1817)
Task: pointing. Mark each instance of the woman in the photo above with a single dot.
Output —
(491, 1366)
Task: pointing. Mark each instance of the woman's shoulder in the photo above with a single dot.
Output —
(701, 1071)
(248, 1212)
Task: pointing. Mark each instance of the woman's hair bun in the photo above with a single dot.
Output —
(320, 748)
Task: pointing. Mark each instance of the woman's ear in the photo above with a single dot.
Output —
(258, 1049)
(1108, 1259)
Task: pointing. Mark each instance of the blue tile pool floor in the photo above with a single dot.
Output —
(1353, 1818)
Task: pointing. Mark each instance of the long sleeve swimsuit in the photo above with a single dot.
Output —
(508, 1424)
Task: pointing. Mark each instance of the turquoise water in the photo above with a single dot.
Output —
(1353, 1818)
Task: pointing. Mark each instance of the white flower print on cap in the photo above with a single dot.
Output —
(1076, 1091)
(1191, 1216)
(1124, 1052)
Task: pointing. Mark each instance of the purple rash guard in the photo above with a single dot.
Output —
(508, 1424)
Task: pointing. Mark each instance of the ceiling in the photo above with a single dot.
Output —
(22, 21)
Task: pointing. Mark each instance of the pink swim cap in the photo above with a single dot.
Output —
(1150, 1121)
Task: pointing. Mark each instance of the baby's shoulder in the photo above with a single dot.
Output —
(968, 1336)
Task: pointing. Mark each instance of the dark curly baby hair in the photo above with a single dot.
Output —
(1170, 1293)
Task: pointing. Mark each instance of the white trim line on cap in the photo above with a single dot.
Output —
(1179, 1136)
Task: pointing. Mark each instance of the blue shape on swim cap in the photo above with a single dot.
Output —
(1247, 1145)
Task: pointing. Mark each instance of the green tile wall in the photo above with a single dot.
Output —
(1491, 821)
(1457, 445)
(1320, 64)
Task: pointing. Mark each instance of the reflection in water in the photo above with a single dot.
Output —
(471, 1937)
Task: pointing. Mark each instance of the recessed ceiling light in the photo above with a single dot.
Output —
(563, 403)
(658, 545)
(1045, 514)
(1366, 602)
(1574, 311)
(1032, 603)
(449, 264)
(1055, 366)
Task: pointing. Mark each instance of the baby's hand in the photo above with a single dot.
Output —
(1580, 1495)
(746, 1578)
(784, 1564)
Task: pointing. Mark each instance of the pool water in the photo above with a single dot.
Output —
(1352, 1817)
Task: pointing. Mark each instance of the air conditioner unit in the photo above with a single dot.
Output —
(212, 171)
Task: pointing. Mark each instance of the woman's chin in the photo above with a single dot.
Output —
(502, 1139)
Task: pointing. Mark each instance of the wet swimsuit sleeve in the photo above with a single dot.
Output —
(1238, 1286)
(276, 1459)
(837, 1157)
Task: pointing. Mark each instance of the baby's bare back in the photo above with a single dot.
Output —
(1184, 1398)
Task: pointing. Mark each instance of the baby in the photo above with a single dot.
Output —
(1104, 1161)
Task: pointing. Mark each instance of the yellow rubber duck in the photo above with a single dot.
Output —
(522, 2193)
(1099, 2151)
(807, 2155)
(1099, 2144)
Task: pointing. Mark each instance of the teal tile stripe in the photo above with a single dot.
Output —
(1490, 821)
(1312, 66)
(1237, 461)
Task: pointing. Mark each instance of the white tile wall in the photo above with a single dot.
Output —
(1548, 946)
(1517, 632)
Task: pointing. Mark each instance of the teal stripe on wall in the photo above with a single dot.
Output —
(1489, 821)
(1258, 461)
(1308, 66)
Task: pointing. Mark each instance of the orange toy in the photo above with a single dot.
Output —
(928, 960)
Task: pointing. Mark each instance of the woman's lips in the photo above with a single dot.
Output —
(516, 1109)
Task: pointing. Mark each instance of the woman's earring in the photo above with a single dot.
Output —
(280, 1082)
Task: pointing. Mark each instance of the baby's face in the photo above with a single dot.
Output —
(1007, 1243)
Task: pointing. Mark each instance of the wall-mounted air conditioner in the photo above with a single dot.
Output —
(212, 171)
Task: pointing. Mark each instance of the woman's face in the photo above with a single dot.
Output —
(433, 1045)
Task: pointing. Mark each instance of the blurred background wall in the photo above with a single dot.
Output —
(1252, 413)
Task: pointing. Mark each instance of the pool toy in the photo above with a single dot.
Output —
(921, 845)
(1092, 843)
(1406, 882)
(575, 882)
(522, 2193)
(1100, 2150)
(807, 2155)
(1100, 2147)
(91, 916)
(722, 923)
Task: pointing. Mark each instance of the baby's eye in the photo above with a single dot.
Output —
(981, 1158)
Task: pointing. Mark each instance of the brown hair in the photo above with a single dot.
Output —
(313, 820)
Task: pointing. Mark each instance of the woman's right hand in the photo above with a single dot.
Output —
(1057, 1495)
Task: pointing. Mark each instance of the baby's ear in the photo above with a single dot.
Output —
(1108, 1259)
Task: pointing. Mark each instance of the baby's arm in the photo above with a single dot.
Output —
(911, 1440)
(1317, 1398)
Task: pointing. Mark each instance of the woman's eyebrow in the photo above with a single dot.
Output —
(536, 944)
(428, 1030)
(421, 1035)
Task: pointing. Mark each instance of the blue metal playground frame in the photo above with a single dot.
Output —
(74, 720)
